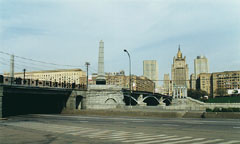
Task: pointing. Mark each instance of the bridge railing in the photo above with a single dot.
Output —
(40, 83)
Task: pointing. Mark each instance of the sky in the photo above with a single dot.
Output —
(67, 32)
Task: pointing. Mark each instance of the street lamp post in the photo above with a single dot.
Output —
(130, 78)
(87, 64)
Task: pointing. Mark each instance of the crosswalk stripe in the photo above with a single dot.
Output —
(131, 136)
(164, 140)
(116, 135)
(100, 133)
(122, 136)
(184, 141)
(145, 138)
(230, 142)
(209, 141)
(81, 132)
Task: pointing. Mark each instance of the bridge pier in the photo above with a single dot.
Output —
(72, 104)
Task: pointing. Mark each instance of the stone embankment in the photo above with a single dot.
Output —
(136, 111)
(190, 104)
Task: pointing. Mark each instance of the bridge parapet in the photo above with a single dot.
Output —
(40, 83)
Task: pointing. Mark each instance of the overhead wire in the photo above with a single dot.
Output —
(48, 63)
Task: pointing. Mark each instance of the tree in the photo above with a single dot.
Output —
(196, 94)
(221, 91)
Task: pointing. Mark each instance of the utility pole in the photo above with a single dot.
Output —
(87, 64)
(12, 69)
(24, 73)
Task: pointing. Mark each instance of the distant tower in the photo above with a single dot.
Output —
(101, 80)
(180, 70)
(150, 70)
(200, 65)
(12, 69)
(12, 66)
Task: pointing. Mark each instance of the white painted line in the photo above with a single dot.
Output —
(159, 141)
(236, 127)
(209, 141)
(119, 134)
(100, 133)
(145, 138)
(73, 130)
(130, 136)
(81, 132)
(170, 125)
(137, 121)
(184, 141)
(162, 138)
(230, 142)
(83, 121)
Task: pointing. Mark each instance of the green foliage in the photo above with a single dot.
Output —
(221, 91)
(224, 100)
(196, 94)
(217, 109)
(208, 110)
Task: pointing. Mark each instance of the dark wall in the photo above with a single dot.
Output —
(37, 102)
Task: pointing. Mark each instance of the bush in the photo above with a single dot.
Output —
(209, 110)
(217, 109)
(236, 109)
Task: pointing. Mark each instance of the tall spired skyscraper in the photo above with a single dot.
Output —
(200, 65)
(180, 70)
(101, 80)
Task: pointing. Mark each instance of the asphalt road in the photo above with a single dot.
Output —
(61, 129)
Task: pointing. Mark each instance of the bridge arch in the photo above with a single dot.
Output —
(150, 97)
(132, 98)
(110, 101)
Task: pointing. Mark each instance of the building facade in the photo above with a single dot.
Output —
(180, 70)
(63, 75)
(200, 65)
(204, 82)
(193, 81)
(228, 80)
(211, 82)
(167, 85)
(139, 83)
(150, 70)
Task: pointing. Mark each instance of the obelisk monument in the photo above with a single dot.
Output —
(101, 80)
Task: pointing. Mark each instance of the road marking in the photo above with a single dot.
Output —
(83, 121)
(118, 134)
(184, 141)
(209, 141)
(130, 136)
(236, 127)
(159, 141)
(138, 121)
(170, 125)
(230, 142)
(144, 138)
(96, 134)
(166, 137)
(81, 132)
